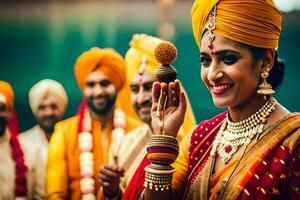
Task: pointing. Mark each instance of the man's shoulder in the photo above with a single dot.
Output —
(137, 131)
(64, 132)
(30, 142)
(132, 123)
(69, 121)
(30, 134)
(65, 128)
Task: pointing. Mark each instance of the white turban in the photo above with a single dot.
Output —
(43, 89)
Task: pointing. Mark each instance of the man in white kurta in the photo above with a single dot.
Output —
(35, 175)
(48, 101)
(15, 154)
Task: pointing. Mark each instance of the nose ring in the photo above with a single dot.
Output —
(219, 75)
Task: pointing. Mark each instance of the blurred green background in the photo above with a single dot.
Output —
(42, 40)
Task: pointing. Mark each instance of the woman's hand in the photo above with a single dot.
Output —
(174, 101)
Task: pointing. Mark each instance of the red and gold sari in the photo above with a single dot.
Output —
(268, 169)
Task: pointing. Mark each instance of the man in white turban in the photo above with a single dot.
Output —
(48, 101)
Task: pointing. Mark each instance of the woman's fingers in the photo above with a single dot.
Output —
(174, 93)
(182, 103)
(155, 95)
(161, 91)
(159, 94)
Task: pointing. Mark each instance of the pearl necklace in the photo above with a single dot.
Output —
(232, 135)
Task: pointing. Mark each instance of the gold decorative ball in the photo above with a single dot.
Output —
(165, 53)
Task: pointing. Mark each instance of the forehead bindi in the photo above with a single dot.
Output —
(142, 78)
(219, 44)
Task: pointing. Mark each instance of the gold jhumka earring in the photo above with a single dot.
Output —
(265, 88)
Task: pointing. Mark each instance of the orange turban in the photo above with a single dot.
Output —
(107, 60)
(7, 95)
(253, 22)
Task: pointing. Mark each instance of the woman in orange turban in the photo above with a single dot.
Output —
(252, 150)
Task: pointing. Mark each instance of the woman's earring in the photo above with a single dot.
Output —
(265, 88)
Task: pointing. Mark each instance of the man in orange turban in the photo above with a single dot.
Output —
(20, 171)
(79, 145)
(131, 149)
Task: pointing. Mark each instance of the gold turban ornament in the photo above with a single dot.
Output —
(141, 52)
(7, 95)
(107, 60)
(253, 22)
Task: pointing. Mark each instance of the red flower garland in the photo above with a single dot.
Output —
(21, 168)
(18, 157)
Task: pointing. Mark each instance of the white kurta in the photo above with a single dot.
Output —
(35, 174)
(37, 135)
(130, 152)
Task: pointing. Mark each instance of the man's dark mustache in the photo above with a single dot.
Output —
(100, 96)
(144, 104)
(48, 118)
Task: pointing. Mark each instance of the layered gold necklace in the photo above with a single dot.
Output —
(232, 135)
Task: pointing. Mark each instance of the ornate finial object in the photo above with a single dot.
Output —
(165, 53)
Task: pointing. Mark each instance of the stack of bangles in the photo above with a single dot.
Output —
(162, 151)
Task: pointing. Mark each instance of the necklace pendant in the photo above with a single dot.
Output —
(228, 148)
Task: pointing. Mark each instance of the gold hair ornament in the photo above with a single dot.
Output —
(211, 26)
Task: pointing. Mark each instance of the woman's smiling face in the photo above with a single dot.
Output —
(229, 71)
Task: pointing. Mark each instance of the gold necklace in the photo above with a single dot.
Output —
(232, 135)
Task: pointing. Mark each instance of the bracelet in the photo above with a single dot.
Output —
(158, 179)
(163, 138)
(162, 149)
